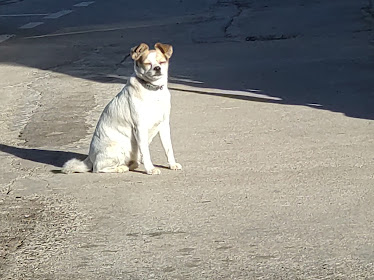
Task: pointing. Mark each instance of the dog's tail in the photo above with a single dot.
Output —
(77, 166)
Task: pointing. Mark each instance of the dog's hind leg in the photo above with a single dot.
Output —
(133, 165)
(117, 169)
(134, 159)
(109, 165)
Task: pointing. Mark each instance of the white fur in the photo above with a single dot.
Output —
(129, 123)
(76, 165)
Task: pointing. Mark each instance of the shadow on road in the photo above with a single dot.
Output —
(55, 158)
(289, 70)
(326, 86)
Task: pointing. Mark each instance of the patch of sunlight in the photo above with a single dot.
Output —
(254, 93)
(185, 80)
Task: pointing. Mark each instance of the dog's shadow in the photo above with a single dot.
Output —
(55, 158)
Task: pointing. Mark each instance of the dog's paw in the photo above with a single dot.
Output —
(154, 171)
(175, 166)
(122, 168)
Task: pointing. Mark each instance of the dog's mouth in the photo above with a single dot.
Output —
(157, 75)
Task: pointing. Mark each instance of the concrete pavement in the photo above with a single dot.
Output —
(272, 120)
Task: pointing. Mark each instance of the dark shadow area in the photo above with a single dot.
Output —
(55, 158)
(357, 104)
(162, 166)
(289, 70)
(7, 2)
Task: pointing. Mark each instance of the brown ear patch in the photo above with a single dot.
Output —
(167, 50)
(138, 51)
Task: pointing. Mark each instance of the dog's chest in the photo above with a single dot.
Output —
(155, 107)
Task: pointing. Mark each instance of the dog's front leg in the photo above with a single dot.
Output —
(166, 143)
(142, 138)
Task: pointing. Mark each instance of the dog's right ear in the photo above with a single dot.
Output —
(136, 52)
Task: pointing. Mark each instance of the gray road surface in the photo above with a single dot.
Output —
(272, 120)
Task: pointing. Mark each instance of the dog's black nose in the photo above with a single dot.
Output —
(157, 68)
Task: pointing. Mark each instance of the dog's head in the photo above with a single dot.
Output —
(151, 65)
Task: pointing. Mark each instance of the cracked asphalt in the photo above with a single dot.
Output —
(272, 120)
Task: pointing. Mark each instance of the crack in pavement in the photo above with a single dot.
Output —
(240, 6)
(224, 14)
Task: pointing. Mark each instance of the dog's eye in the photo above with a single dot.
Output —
(162, 62)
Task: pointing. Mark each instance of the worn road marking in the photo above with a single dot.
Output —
(24, 15)
(58, 14)
(171, 20)
(84, 4)
(31, 25)
(4, 37)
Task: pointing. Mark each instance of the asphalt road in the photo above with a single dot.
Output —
(272, 120)
(19, 17)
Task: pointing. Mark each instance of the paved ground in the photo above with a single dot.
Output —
(272, 120)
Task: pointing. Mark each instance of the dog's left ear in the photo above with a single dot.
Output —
(167, 50)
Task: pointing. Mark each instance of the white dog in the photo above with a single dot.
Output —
(130, 121)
